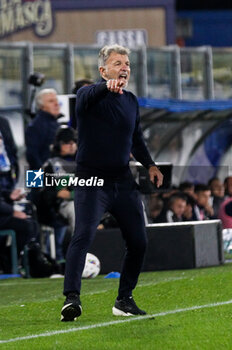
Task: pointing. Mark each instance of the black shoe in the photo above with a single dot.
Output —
(126, 307)
(72, 308)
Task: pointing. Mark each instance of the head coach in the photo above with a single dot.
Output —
(109, 130)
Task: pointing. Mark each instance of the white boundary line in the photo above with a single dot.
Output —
(112, 323)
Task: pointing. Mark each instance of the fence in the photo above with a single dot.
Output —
(166, 72)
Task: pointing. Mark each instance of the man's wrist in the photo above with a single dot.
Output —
(151, 165)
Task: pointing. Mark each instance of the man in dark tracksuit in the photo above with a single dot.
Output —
(108, 130)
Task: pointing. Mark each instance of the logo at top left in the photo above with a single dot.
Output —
(34, 178)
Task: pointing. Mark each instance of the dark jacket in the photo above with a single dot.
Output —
(108, 130)
(40, 134)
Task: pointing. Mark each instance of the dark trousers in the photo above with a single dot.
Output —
(122, 199)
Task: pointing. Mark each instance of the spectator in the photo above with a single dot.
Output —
(155, 207)
(225, 209)
(10, 218)
(217, 194)
(225, 213)
(9, 169)
(175, 210)
(165, 196)
(187, 187)
(40, 133)
(203, 193)
(228, 186)
(191, 212)
(58, 201)
(177, 205)
(55, 204)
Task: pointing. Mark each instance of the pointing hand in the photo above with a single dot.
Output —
(115, 85)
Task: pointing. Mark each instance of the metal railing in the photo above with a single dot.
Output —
(163, 73)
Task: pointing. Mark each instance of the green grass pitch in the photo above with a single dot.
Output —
(186, 310)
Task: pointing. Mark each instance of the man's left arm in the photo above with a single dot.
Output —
(141, 154)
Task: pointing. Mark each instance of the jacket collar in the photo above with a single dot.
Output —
(46, 114)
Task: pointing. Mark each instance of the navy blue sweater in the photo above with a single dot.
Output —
(108, 131)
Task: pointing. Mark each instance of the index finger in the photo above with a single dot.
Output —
(159, 180)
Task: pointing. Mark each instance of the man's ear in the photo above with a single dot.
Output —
(102, 71)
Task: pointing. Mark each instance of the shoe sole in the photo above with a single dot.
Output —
(117, 312)
(70, 312)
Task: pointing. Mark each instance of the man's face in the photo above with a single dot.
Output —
(117, 67)
(50, 104)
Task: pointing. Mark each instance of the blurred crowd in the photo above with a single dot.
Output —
(52, 147)
(190, 202)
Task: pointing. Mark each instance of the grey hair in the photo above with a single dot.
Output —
(41, 93)
(107, 50)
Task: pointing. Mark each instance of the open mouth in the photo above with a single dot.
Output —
(123, 76)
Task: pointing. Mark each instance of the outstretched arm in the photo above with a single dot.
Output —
(87, 96)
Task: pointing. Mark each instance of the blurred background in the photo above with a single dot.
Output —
(181, 72)
(181, 63)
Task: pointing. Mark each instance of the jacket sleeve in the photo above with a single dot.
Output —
(139, 148)
(88, 95)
